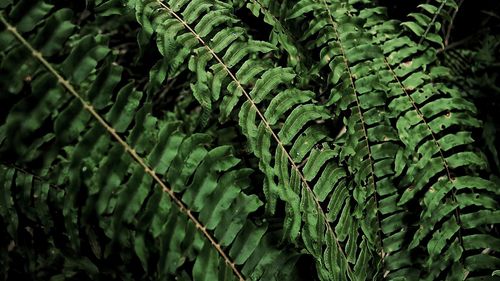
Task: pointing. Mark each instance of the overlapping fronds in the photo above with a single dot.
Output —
(246, 140)
(112, 160)
(440, 172)
(439, 167)
(436, 168)
(277, 118)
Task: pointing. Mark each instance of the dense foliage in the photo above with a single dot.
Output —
(249, 140)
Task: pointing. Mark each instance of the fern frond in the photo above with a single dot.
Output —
(425, 24)
(247, 140)
(101, 128)
(291, 180)
(434, 121)
(398, 257)
(369, 143)
(113, 132)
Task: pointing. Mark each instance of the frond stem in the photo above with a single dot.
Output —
(429, 26)
(450, 26)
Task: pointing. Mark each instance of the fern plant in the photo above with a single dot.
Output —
(242, 140)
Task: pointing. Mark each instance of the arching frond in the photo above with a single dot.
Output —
(114, 173)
